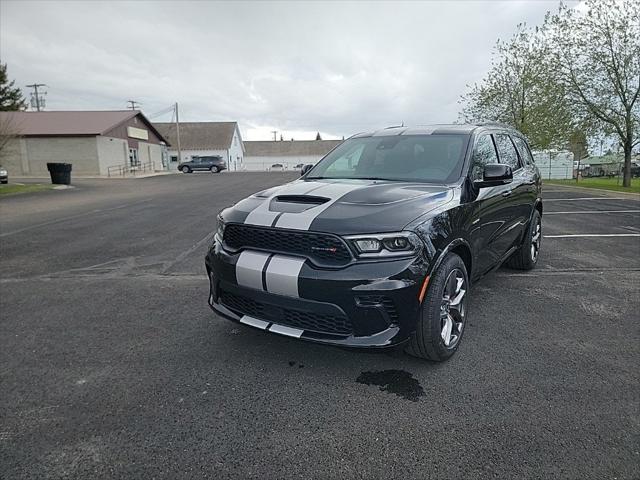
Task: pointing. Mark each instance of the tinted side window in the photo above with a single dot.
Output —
(523, 148)
(507, 151)
(483, 154)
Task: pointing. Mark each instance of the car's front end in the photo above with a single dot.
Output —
(4, 175)
(318, 286)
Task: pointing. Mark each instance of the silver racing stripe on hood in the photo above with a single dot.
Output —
(261, 215)
(303, 220)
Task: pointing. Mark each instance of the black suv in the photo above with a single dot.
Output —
(214, 164)
(379, 243)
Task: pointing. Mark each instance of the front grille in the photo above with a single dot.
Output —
(379, 300)
(322, 249)
(304, 320)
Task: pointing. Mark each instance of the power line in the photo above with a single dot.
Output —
(133, 105)
(37, 100)
(162, 112)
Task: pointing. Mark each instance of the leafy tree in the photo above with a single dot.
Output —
(519, 91)
(594, 56)
(318, 137)
(11, 98)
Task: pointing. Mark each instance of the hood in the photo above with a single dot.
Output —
(340, 206)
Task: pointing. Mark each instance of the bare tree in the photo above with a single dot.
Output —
(9, 132)
(594, 54)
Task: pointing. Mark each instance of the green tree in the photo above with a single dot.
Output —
(594, 56)
(519, 91)
(11, 98)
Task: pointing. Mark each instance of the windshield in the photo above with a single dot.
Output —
(411, 158)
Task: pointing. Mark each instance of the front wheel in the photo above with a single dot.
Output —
(186, 170)
(526, 257)
(214, 169)
(444, 310)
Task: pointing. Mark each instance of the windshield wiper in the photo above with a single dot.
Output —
(357, 178)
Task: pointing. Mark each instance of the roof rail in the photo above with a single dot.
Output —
(494, 124)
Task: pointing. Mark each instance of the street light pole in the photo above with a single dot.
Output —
(178, 134)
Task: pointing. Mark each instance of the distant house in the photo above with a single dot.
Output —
(94, 142)
(204, 139)
(263, 155)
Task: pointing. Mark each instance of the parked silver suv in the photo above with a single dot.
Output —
(212, 163)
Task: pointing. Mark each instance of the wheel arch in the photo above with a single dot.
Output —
(538, 206)
(460, 247)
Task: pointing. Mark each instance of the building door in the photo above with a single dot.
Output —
(133, 157)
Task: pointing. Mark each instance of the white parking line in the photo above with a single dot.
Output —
(588, 198)
(73, 217)
(591, 211)
(594, 235)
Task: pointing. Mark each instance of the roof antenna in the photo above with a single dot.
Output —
(402, 123)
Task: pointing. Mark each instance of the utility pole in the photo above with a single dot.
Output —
(275, 132)
(133, 105)
(178, 133)
(38, 100)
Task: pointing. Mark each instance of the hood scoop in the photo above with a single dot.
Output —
(295, 203)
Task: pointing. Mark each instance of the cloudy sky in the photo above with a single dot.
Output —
(294, 67)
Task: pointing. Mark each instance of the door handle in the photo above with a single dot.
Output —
(507, 193)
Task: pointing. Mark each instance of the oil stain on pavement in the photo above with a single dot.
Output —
(398, 382)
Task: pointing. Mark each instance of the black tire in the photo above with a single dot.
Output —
(5, 181)
(524, 258)
(214, 169)
(427, 341)
(185, 169)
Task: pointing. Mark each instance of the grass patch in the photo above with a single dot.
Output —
(600, 183)
(16, 188)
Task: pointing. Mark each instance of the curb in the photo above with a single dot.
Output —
(591, 189)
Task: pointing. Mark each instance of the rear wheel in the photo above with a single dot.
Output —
(186, 169)
(527, 255)
(443, 316)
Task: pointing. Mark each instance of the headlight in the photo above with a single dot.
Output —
(220, 230)
(3, 172)
(385, 244)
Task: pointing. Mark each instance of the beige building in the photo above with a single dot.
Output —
(94, 142)
(286, 155)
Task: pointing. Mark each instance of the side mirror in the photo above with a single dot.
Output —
(495, 174)
(305, 169)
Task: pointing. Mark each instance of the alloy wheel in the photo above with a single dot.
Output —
(535, 241)
(452, 309)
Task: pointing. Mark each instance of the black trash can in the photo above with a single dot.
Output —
(60, 173)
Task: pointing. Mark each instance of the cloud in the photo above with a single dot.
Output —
(297, 67)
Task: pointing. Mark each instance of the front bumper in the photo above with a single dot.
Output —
(366, 304)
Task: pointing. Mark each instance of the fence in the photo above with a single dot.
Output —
(125, 168)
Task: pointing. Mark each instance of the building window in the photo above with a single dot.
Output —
(174, 158)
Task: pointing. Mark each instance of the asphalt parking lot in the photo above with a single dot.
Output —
(113, 366)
